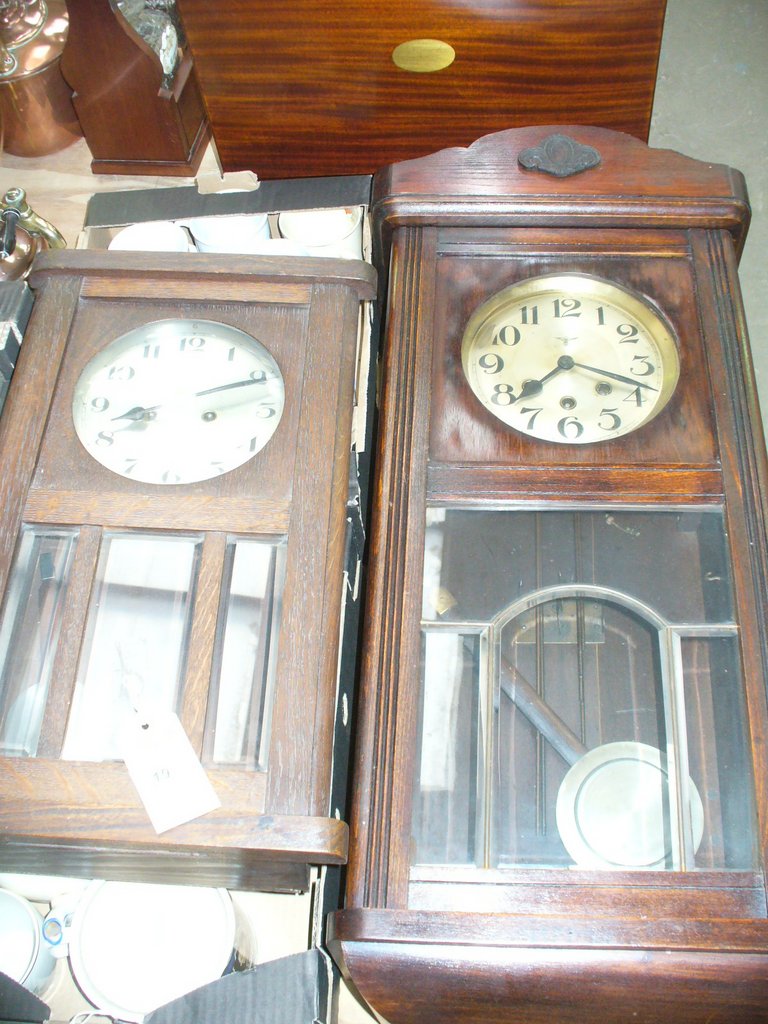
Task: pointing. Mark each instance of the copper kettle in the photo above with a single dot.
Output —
(35, 101)
(22, 234)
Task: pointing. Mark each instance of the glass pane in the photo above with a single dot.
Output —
(582, 693)
(718, 752)
(246, 652)
(29, 634)
(574, 675)
(450, 783)
(676, 562)
(479, 562)
(135, 640)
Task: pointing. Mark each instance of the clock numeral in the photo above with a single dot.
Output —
(100, 404)
(629, 334)
(529, 314)
(503, 394)
(219, 467)
(120, 372)
(600, 316)
(614, 420)
(260, 376)
(506, 335)
(129, 465)
(566, 307)
(491, 363)
(646, 366)
(534, 410)
(151, 352)
(105, 438)
(194, 343)
(266, 412)
(169, 477)
(570, 428)
(637, 395)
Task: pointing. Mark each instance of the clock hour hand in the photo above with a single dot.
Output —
(616, 376)
(535, 387)
(138, 413)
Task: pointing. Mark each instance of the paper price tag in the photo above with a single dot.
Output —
(166, 771)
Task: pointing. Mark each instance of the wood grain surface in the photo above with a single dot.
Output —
(310, 87)
(565, 970)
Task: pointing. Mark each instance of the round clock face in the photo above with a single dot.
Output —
(570, 358)
(177, 401)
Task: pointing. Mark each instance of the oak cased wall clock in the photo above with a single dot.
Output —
(175, 453)
(560, 808)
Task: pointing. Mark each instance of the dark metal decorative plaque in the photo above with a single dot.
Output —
(559, 155)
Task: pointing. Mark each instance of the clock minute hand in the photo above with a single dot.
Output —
(616, 376)
(235, 384)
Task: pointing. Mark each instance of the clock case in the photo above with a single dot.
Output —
(133, 122)
(85, 818)
(534, 945)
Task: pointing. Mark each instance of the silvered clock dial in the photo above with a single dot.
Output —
(178, 401)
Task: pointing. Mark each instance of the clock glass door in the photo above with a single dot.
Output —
(29, 633)
(136, 637)
(581, 708)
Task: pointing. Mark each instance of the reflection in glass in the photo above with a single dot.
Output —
(133, 654)
(29, 633)
(240, 694)
(158, 24)
(580, 706)
(718, 751)
(574, 675)
(450, 785)
(487, 559)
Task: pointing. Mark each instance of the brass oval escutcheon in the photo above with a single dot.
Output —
(423, 55)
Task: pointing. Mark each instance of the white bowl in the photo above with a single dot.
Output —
(336, 233)
(23, 954)
(154, 236)
(237, 234)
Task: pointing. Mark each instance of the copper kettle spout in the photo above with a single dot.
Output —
(22, 233)
(15, 199)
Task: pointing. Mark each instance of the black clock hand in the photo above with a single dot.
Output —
(616, 376)
(140, 412)
(236, 384)
(535, 387)
(137, 413)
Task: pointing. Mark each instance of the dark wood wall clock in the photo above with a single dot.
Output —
(176, 449)
(560, 809)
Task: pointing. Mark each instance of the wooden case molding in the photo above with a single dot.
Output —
(534, 945)
(86, 818)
